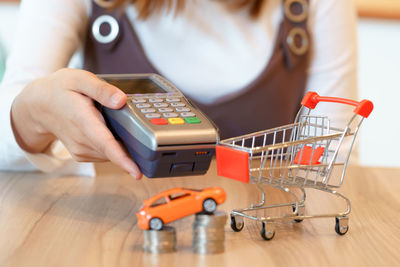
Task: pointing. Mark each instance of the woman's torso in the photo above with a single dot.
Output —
(212, 64)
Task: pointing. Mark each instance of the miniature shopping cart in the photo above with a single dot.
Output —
(309, 153)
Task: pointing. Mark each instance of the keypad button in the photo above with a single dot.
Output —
(138, 100)
(173, 95)
(176, 121)
(155, 100)
(148, 110)
(188, 114)
(153, 115)
(165, 109)
(177, 104)
(192, 120)
(143, 105)
(172, 99)
(183, 109)
(160, 105)
(170, 115)
(159, 121)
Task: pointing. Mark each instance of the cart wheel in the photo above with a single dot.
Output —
(237, 223)
(266, 235)
(300, 212)
(342, 225)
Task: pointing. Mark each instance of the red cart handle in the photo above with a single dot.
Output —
(363, 108)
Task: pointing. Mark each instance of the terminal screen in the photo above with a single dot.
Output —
(136, 86)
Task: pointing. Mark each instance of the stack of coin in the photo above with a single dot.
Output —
(162, 241)
(209, 233)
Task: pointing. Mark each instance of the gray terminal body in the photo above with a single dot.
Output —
(161, 150)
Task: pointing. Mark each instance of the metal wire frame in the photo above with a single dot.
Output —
(272, 162)
(280, 146)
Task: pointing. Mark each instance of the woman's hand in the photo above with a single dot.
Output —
(61, 106)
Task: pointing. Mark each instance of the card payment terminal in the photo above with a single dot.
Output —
(164, 133)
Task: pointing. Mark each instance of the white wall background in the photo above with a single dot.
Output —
(379, 81)
(8, 23)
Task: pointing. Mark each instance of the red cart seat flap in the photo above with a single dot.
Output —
(233, 164)
(306, 155)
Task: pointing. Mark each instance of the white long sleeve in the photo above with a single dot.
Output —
(48, 33)
(227, 51)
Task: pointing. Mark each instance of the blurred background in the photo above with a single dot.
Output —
(379, 73)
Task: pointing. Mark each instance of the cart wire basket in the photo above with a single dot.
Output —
(293, 157)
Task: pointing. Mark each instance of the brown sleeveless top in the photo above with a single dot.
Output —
(270, 100)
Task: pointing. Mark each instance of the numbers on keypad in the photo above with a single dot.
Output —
(148, 110)
(160, 105)
(171, 108)
(188, 114)
(138, 100)
(143, 105)
(153, 115)
(177, 104)
(182, 109)
(170, 115)
(165, 110)
(155, 100)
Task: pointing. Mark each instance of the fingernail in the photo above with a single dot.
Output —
(135, 175)
(116, 99)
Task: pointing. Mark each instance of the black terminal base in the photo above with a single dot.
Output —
(166, 163)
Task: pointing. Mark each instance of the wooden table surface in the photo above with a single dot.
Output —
(80, 221)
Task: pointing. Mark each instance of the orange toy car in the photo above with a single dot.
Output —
(177, 203)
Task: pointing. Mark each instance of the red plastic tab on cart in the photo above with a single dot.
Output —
(232, 163)
(306, 156)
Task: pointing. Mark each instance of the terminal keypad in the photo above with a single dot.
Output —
(171, 108)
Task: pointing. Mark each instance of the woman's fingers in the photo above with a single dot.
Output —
(104, 142)
(97, 144)
(116, 154)
(90, 85)
(63, 107)
(82, 152)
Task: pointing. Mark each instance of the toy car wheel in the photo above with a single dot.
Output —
(156, 224)
(209, 205)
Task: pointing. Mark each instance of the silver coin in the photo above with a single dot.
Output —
(209, 233)
(209, 237)
(161, 241)
(216, 218)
